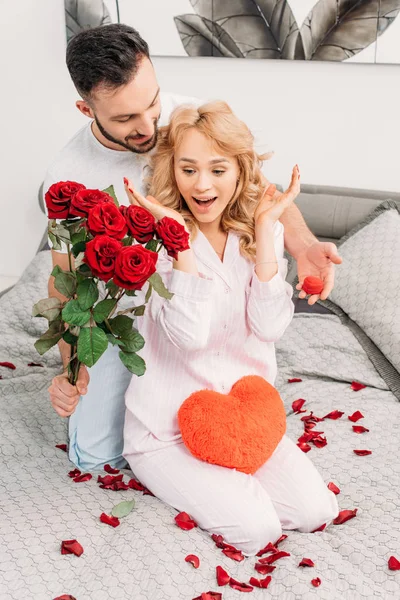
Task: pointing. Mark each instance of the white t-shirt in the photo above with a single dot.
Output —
(85, 160)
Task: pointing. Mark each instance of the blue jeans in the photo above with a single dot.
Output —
(96, 426)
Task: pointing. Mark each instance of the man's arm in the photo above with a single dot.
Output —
(297, 235)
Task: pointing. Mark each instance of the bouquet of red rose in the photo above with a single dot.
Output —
(115, 245)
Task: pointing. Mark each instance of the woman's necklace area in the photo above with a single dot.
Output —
(218, 247)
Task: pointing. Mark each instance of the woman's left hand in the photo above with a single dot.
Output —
(151, 204)
(273, 203)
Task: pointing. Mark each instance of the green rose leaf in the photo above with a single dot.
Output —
(130, 292)
(113, 340)
(56, 270)
(74, 315)
(148, 293)
(78, 248)
(121, 325)
(92, 343)
(123, 508)
(133, 362)
(112, 288)
(65, 283)
(79, 236)
(133, 341)
(103, 309)
(49, 308)
(55, 241)
(138, 311)
(50, 337)
(69, 338)
(159, 286)
(111, 192)
(152, 245)
(87, 293)
(127, 241)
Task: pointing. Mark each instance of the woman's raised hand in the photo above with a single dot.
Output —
(273, 203)
(151, 204)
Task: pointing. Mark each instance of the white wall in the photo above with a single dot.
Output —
(339, 122)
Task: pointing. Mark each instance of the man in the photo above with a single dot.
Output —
(112, 71)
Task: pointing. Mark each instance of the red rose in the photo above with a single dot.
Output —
(133, 267)
(107, 218)
(58, 198)
(141, 223)
(173, 235)
(86, 199)
(100, 256)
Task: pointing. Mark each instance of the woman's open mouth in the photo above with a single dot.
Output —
(205, 203)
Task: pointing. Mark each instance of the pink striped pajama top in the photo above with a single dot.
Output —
(216, 329)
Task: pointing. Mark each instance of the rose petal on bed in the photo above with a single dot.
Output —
(209, 596)
(357, 386)
(1, 376)
(264, 569)
(83, 477)
(119, 486)
(74, 473)
(334, 415)
(281, 539)
(297, 405)
(360, 429)
(260, 583)
(319, 441)
(321, 528)
(8, 365)
(334, 488)
(311, 417)
(109, 520)
(134, 484)
(109, 469)
(71, 547)
(65, 597)
(239, 586)
(233, 554)
(32, 364)
(109, 479)
(294, 380)
(345, 515)
(147, 492)
(393, 564)
(219, 540)
(268, 548)
(222, 576)
(362, 452)
(185, 521)
(62, 447)
(316, 582)
(356, 416)
(193, 559)
(306, 562)
(274, 557)
(304, 447)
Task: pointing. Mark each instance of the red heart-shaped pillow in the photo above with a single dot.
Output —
(239, 430)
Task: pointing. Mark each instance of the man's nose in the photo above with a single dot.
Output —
(145, 126)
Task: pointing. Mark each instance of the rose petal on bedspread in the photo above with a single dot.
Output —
(62, 447)
(393, 564)
(109, 520)
(281, 539)
(270, 547)
(334, 488)
(8, 365)
(357, 386)
(109, 469)
(319, 441)
(65, 597)
(316, 582)
(362, 452)
(74, 473)
(109, 479)
(32, 364)
(219, 540)
(306, 562)
(233, 554)
(334, 415)
(209, 596)
(274, 557)
(260, 583)
(239, 586)
(294, 380)
(134, 484)
(264, 569)
(185, 521)
(304, 447)
(193, 559)
(356, 416)
(321, 528)
(297, 405)
(345, 515)
(83, 477)
(223, 578)
(71, 547)
(359, 429)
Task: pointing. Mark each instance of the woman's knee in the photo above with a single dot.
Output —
(254, 531)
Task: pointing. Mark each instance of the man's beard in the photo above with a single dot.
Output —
(149, 145)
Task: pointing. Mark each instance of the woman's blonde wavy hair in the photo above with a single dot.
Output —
(216, 121)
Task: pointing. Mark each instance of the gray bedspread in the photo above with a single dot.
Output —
(143, 558)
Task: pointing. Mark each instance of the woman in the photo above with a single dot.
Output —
(230, 304)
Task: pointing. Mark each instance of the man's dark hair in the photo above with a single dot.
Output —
(108, 55)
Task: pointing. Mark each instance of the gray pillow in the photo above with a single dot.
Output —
(367, 283)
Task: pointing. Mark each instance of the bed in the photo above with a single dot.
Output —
(144, 558)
